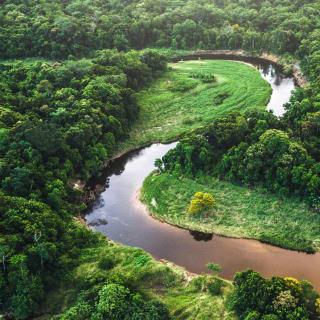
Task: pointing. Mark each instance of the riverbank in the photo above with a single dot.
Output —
(239, 212)
(185, 294)
(291, 67)
(129, 223)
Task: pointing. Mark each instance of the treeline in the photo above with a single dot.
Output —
(259, 149)
(61, 29)
(254, 149)
(59, 123)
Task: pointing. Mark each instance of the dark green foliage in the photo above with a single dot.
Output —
(30, 233)
(219, 98)
(277, 298)
(106, 263)
(214, 267)
(255, 149)
(189, 156)
(275, 161)
(204, 77)
(70, 116)
(117, 302)
(80, 311)
(215, 286)
(61, 121)
(203, 152)
(68, 29)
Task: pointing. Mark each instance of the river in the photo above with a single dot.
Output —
(121, 217)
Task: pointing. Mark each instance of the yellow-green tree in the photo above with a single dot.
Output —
(201, 201)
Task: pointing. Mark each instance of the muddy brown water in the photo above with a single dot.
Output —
(121, 217)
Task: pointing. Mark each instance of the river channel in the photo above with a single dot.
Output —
(119, 215)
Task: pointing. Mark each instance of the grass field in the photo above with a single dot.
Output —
(179, 102)
(185, 294)
(239, 211)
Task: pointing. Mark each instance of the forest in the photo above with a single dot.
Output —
(72, 74)
(65, 29)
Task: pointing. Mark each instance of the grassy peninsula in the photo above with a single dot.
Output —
(239, 211)
(181, 101)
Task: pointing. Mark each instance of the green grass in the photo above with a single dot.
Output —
(184, 294)
(239, 211)
(167, 113)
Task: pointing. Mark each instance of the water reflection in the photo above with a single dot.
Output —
(281, 87)
(201, 236)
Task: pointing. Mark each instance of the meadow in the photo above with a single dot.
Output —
(239, 211)
(183, 100)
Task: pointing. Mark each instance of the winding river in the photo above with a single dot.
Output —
(119, 215)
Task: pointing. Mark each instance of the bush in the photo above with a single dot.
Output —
(214, 286)
(81, 311)
(204, 77)
(201, 202)
(214, 267)
(199, 283)
(106, 263)
(272, 299)
(117, 302)
(220, 97)
(183, 85)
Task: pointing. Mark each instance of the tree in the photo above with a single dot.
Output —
(159, 165)
(201, 202)
(113, 303)
(214, 267)
(274, 298)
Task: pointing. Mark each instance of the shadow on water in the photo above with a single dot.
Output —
(201, 236)
(118, 214)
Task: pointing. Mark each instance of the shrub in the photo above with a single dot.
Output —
(214, 267)
(204, 77)
(214, 286)
(183, 85)
(106, 263)
(117, 302)
(220, 97)
(201, 202)
(199, 283)
(81, 311)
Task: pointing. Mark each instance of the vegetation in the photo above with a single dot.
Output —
(136, 286)
(214, 267)
(59, 122)
(254, 149)
(259, 152)
(61, 29)
(238, 212)
(200, 203)
(71, 106)
(179, 101)
(269, 299)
